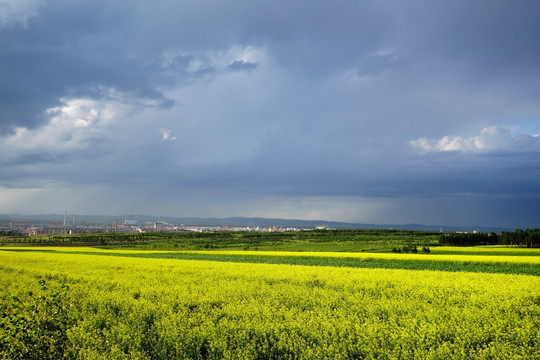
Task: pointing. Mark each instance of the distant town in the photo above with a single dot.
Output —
(56, 224)
(72, 226)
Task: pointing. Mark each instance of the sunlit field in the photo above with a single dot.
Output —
(91, 303)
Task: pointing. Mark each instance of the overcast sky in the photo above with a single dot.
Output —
(387, 112)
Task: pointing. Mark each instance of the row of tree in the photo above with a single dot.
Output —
(523, 238)
(469, 239)
(529, 238)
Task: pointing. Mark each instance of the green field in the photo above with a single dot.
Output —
(129, 303)
(334, 240)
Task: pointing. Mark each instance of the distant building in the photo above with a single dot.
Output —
(159, 225)
(49, 231)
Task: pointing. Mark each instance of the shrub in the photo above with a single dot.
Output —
(409, 248)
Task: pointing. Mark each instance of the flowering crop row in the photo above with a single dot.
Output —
(510, 264)
(388, 256)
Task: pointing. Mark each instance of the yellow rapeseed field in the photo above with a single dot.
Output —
(140, 308)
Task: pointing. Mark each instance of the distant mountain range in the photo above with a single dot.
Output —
(235, 222)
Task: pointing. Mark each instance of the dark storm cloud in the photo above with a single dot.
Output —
(73, 47)
(395, 101)
(34, 81)
(67, 51)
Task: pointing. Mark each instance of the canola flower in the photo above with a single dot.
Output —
(508, 258)
(385, 256)
(140, 308)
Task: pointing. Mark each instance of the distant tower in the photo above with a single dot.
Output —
(65, 216)
(73, 220)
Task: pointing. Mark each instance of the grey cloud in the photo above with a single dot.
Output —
(240, 65)
(94, 50)
(59, 55)
(338, 92)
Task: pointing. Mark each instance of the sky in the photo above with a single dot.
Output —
(380, 112)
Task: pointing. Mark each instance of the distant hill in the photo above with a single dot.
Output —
(235, 222)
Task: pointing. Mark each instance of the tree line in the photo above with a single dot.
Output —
(523, 238)
(529, 238)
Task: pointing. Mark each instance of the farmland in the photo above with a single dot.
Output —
(136, 303)
(337, 240)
